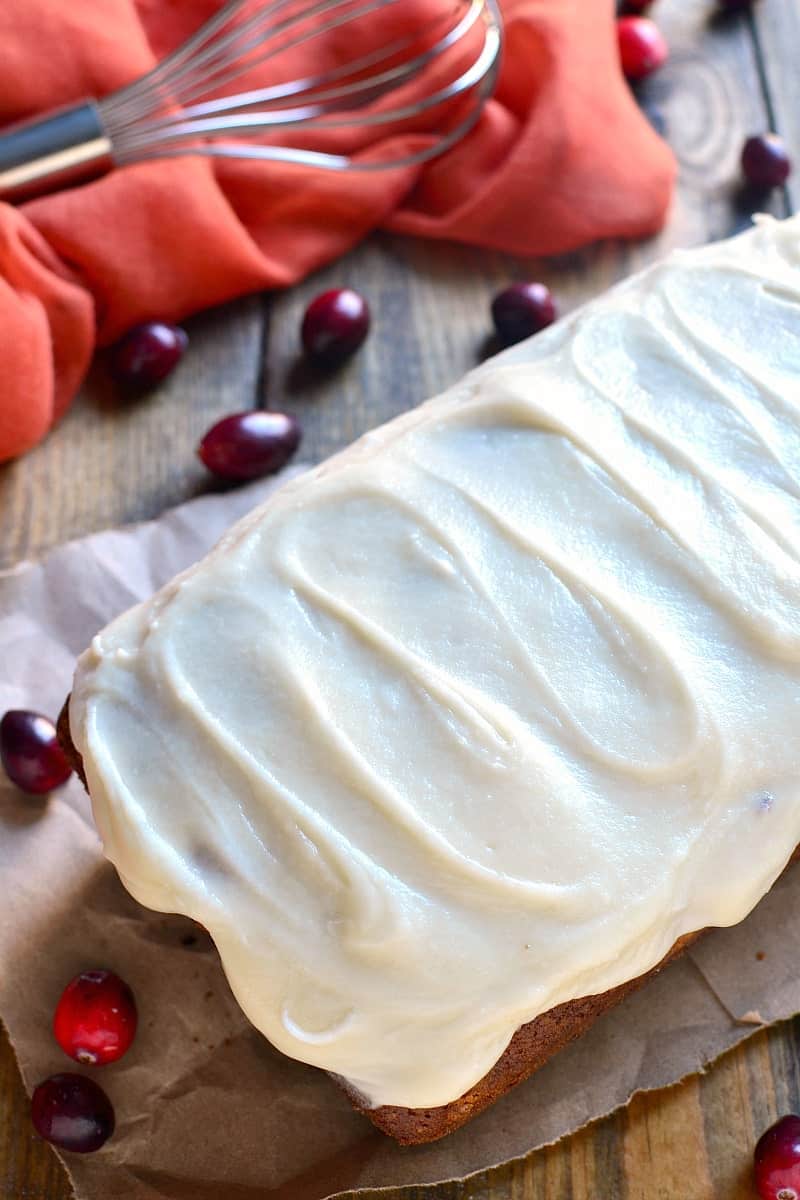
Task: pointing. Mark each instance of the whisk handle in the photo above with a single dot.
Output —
(66, 147)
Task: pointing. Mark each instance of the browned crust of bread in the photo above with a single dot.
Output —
(530, 1048)
(67, 744)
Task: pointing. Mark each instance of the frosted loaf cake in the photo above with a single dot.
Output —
(489, 712)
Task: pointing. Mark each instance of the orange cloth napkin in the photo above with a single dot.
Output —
(560, 156)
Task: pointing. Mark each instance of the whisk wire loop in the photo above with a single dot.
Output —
(375, 85)
(180, 106)
(317, 116)
(211, 59)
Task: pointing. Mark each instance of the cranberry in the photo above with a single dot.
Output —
(95, 1019)
(642, 46)
(334, 326)
(777, 1161)
(148, 353)
(522, 310)
(30, 753)
(249, 444)
(765, 162)
(72, 1112)
(636, 6)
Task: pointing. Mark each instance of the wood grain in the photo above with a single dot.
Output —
(776, 32)
(112, 461)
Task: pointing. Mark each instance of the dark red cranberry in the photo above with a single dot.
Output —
(249, 444)
(521, 310)
(72, 1112)
(147, 354)
(642, 46)
(95, 1019)
(635, 7)
(777, 1161)
(334, 326)
(765, 162)
(30, 753)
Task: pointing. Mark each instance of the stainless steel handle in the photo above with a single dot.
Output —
(60, 150)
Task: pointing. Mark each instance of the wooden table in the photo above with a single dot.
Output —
(111, 462)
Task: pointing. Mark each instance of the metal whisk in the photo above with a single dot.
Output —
(180, 106)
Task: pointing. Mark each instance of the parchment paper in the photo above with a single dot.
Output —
(206, 1110)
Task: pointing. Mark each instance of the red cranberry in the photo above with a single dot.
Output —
(95, 1019)
(30, 753)
(642, 46)
(147, 354)
(72, 1112)
(334, 326)
(521, 310)
(249, 444)
(765, 162)
(777, 1161)
(636, 7)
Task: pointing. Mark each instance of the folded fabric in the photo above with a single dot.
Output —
(560, 156)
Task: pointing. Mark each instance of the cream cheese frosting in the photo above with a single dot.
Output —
(487, 711)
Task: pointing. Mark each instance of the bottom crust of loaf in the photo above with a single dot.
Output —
(530, 1048)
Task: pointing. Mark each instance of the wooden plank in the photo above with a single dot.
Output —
(109, 463)
(28, 1168)
(776, 25)
(114, 459)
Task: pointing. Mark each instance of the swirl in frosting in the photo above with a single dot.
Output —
(480, 716)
